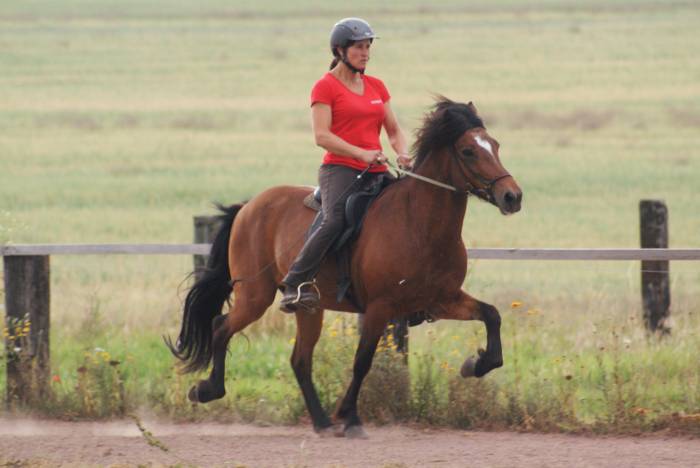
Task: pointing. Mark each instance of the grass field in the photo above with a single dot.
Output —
(122, 120)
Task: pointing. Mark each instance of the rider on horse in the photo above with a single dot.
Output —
(348, 110)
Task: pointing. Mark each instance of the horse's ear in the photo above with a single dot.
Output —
(472, 108)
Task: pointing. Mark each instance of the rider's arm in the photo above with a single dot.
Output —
(396, 135)
(321, 118)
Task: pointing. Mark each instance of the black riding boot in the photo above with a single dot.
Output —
(300, 291)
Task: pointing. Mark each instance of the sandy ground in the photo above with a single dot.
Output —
(120, 443)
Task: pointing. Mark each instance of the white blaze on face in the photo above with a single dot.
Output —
(484, 144)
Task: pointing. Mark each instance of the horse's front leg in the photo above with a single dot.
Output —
(373, 327)
(468, 308)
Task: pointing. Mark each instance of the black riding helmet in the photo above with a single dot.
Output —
(345, 33)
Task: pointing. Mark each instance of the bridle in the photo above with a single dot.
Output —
(485, 192)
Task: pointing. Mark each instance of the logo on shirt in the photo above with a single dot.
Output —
(376, 101)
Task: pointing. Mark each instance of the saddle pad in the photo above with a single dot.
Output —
(311, 202)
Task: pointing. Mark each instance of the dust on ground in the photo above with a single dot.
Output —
(25, 442)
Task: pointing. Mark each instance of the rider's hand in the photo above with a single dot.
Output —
(405, 161)
(372, 156)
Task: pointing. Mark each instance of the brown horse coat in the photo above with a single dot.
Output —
(408, 258)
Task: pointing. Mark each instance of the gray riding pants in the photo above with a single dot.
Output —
(337, 183)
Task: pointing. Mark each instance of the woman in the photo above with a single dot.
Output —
(348, 111)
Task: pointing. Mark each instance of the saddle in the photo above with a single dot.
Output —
(356, 208)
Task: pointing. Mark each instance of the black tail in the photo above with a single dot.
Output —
(205, 300)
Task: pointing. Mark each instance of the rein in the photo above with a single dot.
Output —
(423, 178)
(484, 193)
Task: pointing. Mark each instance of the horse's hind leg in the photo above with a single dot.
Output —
(308, 331)
(248, 306)
(372, 329)
(468, 308)
(213, 388)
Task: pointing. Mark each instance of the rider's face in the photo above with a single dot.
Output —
(358, 53)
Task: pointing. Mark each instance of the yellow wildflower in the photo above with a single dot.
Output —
(515, 304)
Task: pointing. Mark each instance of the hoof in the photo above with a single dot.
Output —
(355, 432)
(469, 367)
(336, 430)
(203, 393)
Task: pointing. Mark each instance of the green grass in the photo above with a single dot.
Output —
(122, 120)
(605, 377)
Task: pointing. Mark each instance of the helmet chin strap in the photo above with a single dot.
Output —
(344, 59)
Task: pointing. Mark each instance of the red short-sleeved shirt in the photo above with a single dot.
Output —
(356, 119)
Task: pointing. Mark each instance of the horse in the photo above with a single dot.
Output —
(408, 259)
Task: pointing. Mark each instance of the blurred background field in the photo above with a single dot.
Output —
(121, 120)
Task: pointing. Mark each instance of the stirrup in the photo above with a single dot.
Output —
(311, 283)
(293, 305)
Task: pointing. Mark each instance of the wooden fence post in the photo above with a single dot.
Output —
(27, 301)
(656, 290)
(205, 228)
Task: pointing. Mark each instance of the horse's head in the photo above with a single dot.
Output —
(474, 166)
(476, 158)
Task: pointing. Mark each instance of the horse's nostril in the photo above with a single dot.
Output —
(511, 200)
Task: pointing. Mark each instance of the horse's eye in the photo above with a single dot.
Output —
(469, 154)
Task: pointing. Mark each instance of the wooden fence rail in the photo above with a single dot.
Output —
(476, 253)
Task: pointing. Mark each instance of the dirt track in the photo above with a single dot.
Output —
(51, 443)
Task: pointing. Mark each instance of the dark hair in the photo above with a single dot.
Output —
(336, 57)
(443, 126)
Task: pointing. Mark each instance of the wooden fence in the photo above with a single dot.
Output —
(20, 250)
(27, 282)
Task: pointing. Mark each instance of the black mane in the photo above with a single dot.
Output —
(443, 126)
